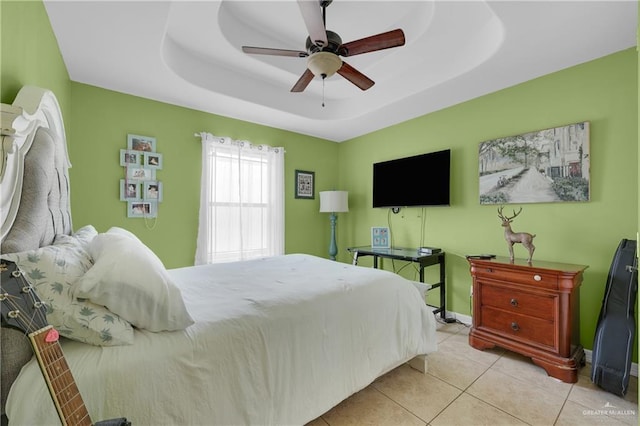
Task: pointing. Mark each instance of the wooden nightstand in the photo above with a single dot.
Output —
(529, 308)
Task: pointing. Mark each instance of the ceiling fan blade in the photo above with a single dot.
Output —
(313, 20)
(303, 82)
(355, 76)
(381, 41)
(274, 52)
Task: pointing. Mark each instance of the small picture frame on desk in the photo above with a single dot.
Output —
(380, 237)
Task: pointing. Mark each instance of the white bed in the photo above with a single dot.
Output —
(275, 341)
(278, 341)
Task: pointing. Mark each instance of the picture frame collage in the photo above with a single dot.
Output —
(140, 187)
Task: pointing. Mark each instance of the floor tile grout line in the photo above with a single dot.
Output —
(427, 422)
(400, 405)
(462, 391)
(564, 403)
(465, 391)
(497, 408)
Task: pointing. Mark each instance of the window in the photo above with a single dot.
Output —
(241, 201)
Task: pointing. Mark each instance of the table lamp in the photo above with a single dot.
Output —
(333, 202)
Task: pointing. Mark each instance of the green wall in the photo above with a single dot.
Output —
(100, 122)
(30, 54)
(603, 92)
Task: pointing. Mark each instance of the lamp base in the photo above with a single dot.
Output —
(333, 247)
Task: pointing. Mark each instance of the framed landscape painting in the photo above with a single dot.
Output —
(546, 166)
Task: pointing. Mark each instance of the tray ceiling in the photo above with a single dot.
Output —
(189, 54)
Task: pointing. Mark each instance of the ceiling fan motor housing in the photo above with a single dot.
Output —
(333, 44)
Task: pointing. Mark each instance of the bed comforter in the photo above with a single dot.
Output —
(278, 340)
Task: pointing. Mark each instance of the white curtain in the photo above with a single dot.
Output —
(241, 201)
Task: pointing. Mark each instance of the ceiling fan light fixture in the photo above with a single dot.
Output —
(324, 64)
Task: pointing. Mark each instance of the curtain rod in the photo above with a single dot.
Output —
(199, 135)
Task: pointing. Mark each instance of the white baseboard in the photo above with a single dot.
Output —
(466, 319)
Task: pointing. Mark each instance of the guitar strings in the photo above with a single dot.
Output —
(15, 309)
(28, 323)
(54, 366)
(38, 305)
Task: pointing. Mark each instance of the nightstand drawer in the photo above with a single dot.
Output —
(533, 278)
(535, 305)
(519, 327)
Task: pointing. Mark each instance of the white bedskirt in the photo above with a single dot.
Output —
(276, 341)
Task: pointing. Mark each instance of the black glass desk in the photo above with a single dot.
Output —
(408, 255)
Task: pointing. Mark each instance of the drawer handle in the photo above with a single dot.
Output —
(489, 270)
(514, 302)
(537, 277)
(515, 326)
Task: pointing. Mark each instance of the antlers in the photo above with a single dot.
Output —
(508, 219)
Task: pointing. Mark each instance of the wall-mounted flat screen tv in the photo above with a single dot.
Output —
(420, 180)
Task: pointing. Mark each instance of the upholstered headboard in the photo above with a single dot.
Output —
(34, 195)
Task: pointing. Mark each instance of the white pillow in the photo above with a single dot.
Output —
(130, 280)
(52, 271)
(83, 236)
(122, 231)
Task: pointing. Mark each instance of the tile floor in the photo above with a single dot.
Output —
(465, 386)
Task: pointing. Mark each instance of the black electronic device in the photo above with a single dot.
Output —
(420, 180)
(481, 256)
(429, 250)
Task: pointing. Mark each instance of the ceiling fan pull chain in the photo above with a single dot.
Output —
(323, 77)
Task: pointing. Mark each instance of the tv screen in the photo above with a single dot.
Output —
(421, 180)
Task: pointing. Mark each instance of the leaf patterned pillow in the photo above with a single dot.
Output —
(52, 270)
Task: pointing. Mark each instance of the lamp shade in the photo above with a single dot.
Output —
(334, 201)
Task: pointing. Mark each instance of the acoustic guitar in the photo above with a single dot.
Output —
(22, 309)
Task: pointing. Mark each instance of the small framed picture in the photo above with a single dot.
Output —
(141, 143)
(129, 158)
(305, 184)
(152, 160)
(380, 237)
(152, 191)
(130, 190)
(140, 173)
(142, 209)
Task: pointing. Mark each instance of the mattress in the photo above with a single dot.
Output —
(278, 340)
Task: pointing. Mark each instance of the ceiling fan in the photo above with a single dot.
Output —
(324, 48)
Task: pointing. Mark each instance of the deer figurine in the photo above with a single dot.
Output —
(524, 238)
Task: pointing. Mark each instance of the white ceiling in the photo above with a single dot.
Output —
(189, 54)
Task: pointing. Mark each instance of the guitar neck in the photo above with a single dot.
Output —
(60, 382)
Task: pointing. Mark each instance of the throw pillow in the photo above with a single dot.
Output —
(52, 271)
(130, 280)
